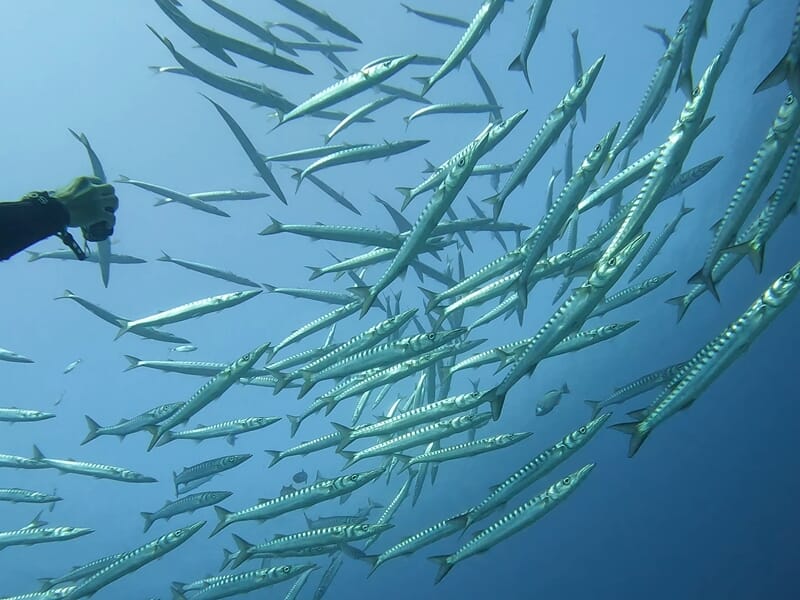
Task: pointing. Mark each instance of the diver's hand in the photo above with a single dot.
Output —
(91, 204)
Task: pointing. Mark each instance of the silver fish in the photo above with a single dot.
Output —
(536, 22)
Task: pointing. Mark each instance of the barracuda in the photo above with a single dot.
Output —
(319, 18)
(197, 475)
(548, 133)
(133, 561)
(515, 521)
(577, 65)
(466, 449)
(356, 114)
(714, 358)
(174, 194)
(360, 154)
(327, 296)
(655, 96)
(326, 489)
(212, 390)
(384, 355)
(201, 369)
(658, 243)
(21, 415)
(189, 311)
(788, 67)
(95, 470)
(437, 18)
(319, 539)
(128, 426)
(450, 108)
(553, 223)
(368, 76)
(751, 187)
(36, 533)
(630, 294)
(569, 317)
(322, 322)
(18, 495)
(326, 441)
(494, 133)
(208, 270)
(486, 89)
(479, 25)
(426, 222)
(536, 22)
(227, 429)
(643, 384)
(187, 504)
(78, 573)
(418, 437)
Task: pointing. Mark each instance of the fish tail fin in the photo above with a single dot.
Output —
(156, 433)
(594, 405)
(684, 81)
(496, 402)
(701, 277)
(345, 434)
(785, 69)
(315, 272)
(275, 226)
(37, 454)
(123, 329)
(32, 256)
(148, 520)
(565, 388)
(281, 381)
(294, 422)
(350, 456)
(444, 566)
(637, 437)
(753, 250)
(407, 196)
(224, 520)
(426, 82)
(497, 204)
(244, 548)
(275, 456)
(93, 427)
(308, 382)
(518, 64)
(178, 594)
(365, 294)
(429, 167)
(46, 582)
(133, 362)
(681, 303)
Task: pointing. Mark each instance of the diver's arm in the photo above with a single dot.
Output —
(28, 221)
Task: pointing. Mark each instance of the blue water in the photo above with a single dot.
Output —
(707, 509)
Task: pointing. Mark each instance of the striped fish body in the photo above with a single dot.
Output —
(467, 449)
(29, 536)
(207, 469)
(320, 443)
(715, 357)
(630, 294)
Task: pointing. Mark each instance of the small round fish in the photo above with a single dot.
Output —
(550, 400)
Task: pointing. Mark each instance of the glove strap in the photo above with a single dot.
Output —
(65, 236)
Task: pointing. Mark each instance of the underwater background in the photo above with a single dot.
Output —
(707, 508)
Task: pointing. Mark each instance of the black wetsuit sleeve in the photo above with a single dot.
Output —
(26, 222)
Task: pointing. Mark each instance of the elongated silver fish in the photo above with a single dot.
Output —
(10, 356)
(370, 75)
(208, 392)
(321, 19)
(486, 89)
(174, 194)
(190, 310)
(36, 532)
(569, 317)
(95, 470)
(639, 386)
(227, 429)
(714, 358)
(426, 222)
(250, 150)
(548, 133)
(658, 243)
(133, 560)
(478, 26)
(128, 426)
(466, 449)
(202, 369)
(77, 573)
(788, 67)
(451, 108)
(21, 415)
(695, 27)
(109, 317)
(322, 322)
(187, 504)
(629, 294)
(196, 475)
(326, 441)
(208, 270)
(515, 521)
(577, 66)
(536, 22)
(655, 96)
(361, 154)
(19, 495)
(116, 259)
(308, 153)
(325, 489)
(437, 18)
(748, 192)
(361, 111)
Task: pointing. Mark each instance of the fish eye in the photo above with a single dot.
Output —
(476, 394)
(365, 527)
(579, 83)
(696, 92)
(566, 481)
(612, 261)
(246, 356)
(789, 99)
(353, 477)
(286, 569)
(582, 430)
(461, 162)
(597, 148)
(787, 277)
(431, 336)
